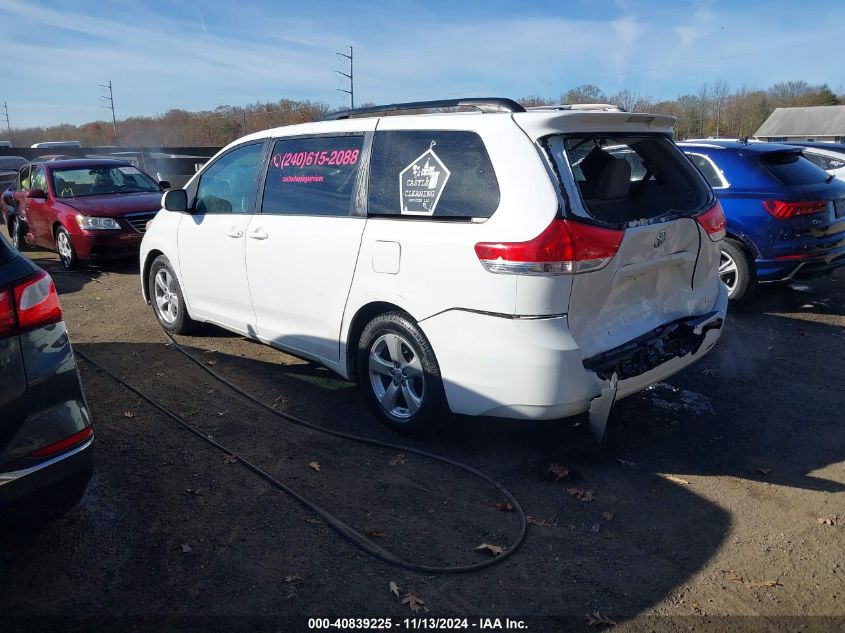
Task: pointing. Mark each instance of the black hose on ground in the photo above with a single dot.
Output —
(342, 528)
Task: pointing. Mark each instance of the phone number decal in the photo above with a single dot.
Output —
(306, 159)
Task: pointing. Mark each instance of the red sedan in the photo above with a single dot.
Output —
(83, 209)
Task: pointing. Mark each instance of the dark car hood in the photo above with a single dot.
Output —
(115, 205)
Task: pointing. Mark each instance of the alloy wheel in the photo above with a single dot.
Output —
(728, 272)
(166, 299)
(64, 247)
(396, 375)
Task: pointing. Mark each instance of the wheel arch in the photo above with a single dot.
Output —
(145, 273)
(364, 315)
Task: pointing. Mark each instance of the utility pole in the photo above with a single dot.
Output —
(351, 91)
(110, 106)
(6, 114)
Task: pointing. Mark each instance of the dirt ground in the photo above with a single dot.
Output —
(706, 498)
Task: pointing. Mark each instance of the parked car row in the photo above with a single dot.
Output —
(84, 209)
(510, 263)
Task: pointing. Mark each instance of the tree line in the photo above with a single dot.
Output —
(715, 110)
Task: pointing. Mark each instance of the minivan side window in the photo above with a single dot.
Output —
(313, 175)
(229, 184)
(431, 173)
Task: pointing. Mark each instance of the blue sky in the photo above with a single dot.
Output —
(190, 54)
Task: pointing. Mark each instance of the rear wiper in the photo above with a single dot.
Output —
(829, 178)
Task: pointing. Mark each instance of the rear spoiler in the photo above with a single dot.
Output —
(538, 124)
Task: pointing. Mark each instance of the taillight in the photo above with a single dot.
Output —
(713, 222)
(64, 444)
(783, 210)
(564, 247)
(31, 302)
(8, 324)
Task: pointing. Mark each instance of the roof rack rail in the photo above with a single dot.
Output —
(494, 104)
(604, 107)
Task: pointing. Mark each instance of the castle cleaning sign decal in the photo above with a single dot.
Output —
(422, 182)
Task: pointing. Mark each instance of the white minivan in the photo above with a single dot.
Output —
(499, 262)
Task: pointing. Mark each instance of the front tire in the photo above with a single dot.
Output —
(399, 374)
(735, 270)
(67, 254)
(167, 298)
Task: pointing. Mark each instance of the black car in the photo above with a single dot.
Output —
(45, 425)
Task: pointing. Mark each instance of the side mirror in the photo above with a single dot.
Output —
(164, 184)
(38, 194)
(175, 200)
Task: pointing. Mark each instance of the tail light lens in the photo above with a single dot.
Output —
(713, 222)
(565, 247)
(8, 323)
(31, 302)
(64, 444)
(783, 210)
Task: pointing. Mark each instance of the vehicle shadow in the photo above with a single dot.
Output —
(735, 415)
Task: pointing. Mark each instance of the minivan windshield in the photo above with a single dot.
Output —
(626, 178)
(95, 181)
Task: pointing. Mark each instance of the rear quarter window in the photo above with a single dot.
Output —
(439, 174)
(792, 169)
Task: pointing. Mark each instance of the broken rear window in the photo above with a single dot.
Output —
(623, 179)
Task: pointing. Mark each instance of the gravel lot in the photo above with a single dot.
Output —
(707, 496)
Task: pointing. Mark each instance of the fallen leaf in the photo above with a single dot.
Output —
(230, 459)
(542, 523)
(597, 619)
(222, 413)
(834, 520)
(762, 583)
(313, 520)
(764, 471)
(211, 362)
(394, 589)
(493, 549)
(607, 516)
(186, 548)
(396, 461)
(559, 471)
(625, 462)
(193, 492)
(505, 507)
(708, 372)
(675, 479)
(210, 391)
(128, 414)
(413, 602)
(585, 496)
(293, 578)
(596, 528)
(314, 466)
(376, 532)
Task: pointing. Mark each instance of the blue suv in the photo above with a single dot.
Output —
(786, 216)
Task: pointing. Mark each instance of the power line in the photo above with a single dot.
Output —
(351, 91)
(110, 99)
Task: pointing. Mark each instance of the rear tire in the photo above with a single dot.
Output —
(167, 299)
(67, 253)
(400, 376)
(735, 270)
(16, 233)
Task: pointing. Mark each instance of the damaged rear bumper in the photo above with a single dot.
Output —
(652, 349)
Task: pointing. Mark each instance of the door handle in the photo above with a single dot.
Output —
(259, 234)
(235, 232)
